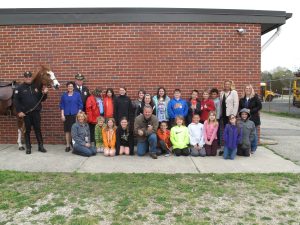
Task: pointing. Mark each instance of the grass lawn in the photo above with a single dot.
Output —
(72, 198)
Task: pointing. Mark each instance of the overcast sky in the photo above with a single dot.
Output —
(284, 50)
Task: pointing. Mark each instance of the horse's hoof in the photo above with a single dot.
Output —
(21, 148)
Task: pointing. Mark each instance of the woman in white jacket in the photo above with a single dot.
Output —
(229, 101)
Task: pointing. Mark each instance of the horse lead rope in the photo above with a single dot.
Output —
(30, 110)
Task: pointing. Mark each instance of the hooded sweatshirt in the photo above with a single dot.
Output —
(180, 137)
(177, 107)
(248, 130)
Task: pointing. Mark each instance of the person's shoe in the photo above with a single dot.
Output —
(28, 151)
(42, 149)
(167, 155)
(221, 153)
(68, 149)
(21, 148)
(153, 155)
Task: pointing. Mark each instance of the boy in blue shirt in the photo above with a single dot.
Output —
(177, 107)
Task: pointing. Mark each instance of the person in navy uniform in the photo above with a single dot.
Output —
(83, 90)
(27, 100)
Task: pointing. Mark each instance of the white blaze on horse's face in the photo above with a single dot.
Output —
(54, 80)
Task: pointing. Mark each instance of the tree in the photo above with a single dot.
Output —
(277, 79)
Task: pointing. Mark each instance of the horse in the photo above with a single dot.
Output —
(44, 77)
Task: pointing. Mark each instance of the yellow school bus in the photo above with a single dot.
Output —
(296, 90)
(266, 95)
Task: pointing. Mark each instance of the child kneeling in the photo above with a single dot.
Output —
(232, 137)
(180, 137)
(109, 138)
(125, 142)
(196, 137)
(248, 130)
(163, 135)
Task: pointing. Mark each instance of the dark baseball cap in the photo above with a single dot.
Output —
(27, 74)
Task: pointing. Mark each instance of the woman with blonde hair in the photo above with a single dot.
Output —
(229, 101)
(81, 136)
(252, 102)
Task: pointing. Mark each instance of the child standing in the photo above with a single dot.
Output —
(196, 136)
(163, 136)
(109, 138)
(124, 143)
(207, 105)
(214, 93)
(177, 107)
(248, 130)
(98, 134)
(194, 106)
(210, 134)
(180, 137)
(232, 137)
(92, 109)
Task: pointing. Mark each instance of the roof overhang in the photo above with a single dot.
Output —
(269, 20)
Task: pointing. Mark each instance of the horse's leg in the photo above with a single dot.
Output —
(20, 133)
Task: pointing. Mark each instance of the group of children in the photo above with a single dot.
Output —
(196, 139)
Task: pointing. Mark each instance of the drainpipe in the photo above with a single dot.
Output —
(271, 39)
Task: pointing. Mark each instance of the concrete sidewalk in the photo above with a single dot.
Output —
(57, 160)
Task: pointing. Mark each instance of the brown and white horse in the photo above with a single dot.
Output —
(44, 77)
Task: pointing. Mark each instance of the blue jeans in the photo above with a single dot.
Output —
(254, 141)
(84, 151)
(143, 146)
(229, 153)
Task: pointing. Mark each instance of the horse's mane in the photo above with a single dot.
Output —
(40, 77)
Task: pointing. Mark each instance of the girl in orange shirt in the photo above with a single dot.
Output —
(109, 138)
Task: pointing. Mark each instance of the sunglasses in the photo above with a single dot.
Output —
(27, 75)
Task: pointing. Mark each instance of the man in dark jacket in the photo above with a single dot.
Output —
(83, 90)
(27, 100)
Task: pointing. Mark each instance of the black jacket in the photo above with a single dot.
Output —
(129, 135)
(27, 97)
(254, 105)
(123, 108)
(191, 112)
(85, 93)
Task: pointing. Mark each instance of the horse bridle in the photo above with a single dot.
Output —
(39, 102)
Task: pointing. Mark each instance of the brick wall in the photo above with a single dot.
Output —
(146, 55)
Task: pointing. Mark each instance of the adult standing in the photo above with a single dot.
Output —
(145, 128)
(161, 101)
(252, 102)
(83, 90)
(27, 100)
(229, 101)
(70, 105)
(81, 136)
(123, 106)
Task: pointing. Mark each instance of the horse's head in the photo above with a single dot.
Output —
(55, 83)
(47, 78)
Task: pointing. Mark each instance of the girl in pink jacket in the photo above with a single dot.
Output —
(210, 134)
